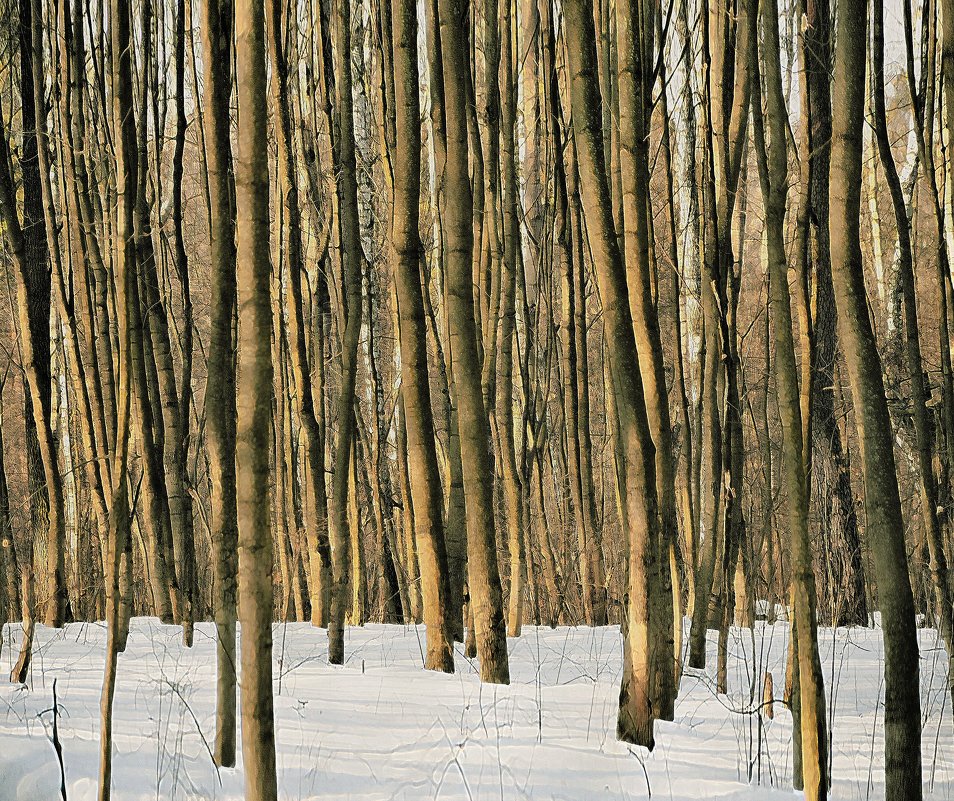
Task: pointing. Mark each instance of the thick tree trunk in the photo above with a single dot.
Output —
(424, 476)
(635, 721)
(455, 515)
(636, 47)
(575, 401)
(924, 438)
(253, 403)
(485, 592)
(844, 593)
(29, 246)
(883, 505)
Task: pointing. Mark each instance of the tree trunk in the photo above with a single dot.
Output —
(882, 501)
(483, 574)
(635, 721)
(636, 46)
(919, 392)
(316, 526)
(29, 247)
(347, 189)
(220, 409)
(124, 272)
(771, 149)
(513, 489)
(253, 402)
(424, 476)
(832, 485)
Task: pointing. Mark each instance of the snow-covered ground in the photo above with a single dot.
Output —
(381, 727)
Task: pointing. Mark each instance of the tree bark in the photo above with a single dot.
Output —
(424, 475)
(220, 408)
(254, 403)
(771, 149)
(347, 189)
(486, 599)
(924, 439)
(635, 23)
(882, 501)
(635, 721)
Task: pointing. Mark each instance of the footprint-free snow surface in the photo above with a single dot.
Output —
(381, 727)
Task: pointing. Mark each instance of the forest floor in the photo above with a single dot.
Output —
(380, 727)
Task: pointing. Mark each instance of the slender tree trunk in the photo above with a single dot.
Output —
(319, 551)
(513, 489)
(923, 105)
(347, 189)
(18, 590)
(220, 408)
(771, 149)
(357, 613)
(155, 520)
(179, 413)
(8, 551)
(680, 554)
(119, 540)
(564, 255)
(412, 601)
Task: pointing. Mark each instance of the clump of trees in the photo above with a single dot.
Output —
(550, 313)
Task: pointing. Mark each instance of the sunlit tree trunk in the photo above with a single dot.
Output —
(455, 516)
(485, 592)
(831, 483)
(513, 489)
(772, 152)
(635, 24)
(726, 39)
(253, 403)
(635, 721)
(147, 432)
(319, 551)
(424, 476)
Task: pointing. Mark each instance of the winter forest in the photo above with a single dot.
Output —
(480, 400)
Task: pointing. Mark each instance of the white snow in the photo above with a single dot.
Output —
(383, 728)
